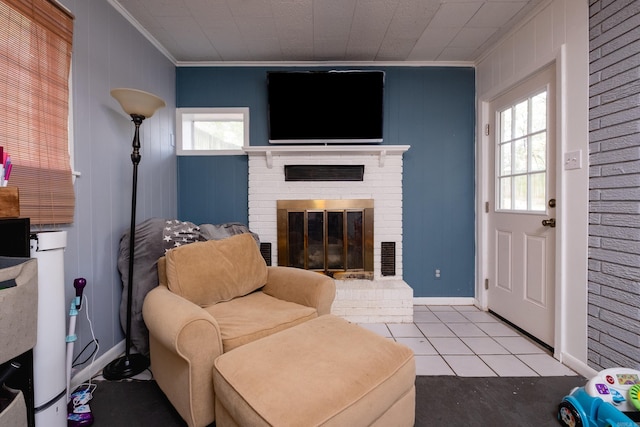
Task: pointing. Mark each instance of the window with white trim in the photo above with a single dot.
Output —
(212, 131)
(522, 155)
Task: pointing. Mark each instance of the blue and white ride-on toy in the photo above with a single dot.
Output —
(610, 399)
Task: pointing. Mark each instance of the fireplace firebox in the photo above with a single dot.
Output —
(330, 236)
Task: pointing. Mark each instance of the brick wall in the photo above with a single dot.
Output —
(382, 183)
(614, 185)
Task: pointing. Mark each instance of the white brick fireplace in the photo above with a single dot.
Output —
(383, 299)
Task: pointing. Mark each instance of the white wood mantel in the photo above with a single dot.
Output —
(270, 151)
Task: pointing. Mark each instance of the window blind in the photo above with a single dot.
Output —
(35, 58)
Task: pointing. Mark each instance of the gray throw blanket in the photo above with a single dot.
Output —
(153, 238)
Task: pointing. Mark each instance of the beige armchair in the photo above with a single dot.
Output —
(213, 297)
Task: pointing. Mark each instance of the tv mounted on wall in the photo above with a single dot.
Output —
(325, 106)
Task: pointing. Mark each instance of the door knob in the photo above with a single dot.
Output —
(551, 222)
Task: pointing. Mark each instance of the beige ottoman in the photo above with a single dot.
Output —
(324, 372)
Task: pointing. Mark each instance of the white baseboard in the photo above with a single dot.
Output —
(445, 301)
(578, 365)
(85, 374)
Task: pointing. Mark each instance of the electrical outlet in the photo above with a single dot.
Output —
(437, 273)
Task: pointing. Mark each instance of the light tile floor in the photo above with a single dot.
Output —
(468, 342)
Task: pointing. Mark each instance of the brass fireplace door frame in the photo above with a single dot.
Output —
(315, 205)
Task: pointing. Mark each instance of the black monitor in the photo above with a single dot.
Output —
(325, 106)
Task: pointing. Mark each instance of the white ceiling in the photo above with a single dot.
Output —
(324, 30)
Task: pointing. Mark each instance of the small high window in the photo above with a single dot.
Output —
(212, 131)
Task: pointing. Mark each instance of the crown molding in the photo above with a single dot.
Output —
(136, 24)
(325, 64)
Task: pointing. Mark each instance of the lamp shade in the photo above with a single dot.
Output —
(134, 101)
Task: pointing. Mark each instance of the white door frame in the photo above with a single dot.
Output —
(484, 179)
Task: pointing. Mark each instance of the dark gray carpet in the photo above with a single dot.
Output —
(440, 401)
(502, 401)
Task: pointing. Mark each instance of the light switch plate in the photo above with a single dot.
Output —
(573, 160)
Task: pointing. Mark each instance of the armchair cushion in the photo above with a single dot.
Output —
(255, 316)
(206, 273)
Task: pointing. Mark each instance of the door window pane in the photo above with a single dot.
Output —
(520, 193)
(522, 155)
(505, 125)
(539, 152)
(505, 159)
(538, 191)
(539, 112)
(521, 118)
(505, 193)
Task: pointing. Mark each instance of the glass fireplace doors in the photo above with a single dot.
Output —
(326, 235)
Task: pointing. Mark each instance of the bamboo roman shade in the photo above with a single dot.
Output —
(35, 58)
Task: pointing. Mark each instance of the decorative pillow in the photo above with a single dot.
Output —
(176, 233)
(209, 272)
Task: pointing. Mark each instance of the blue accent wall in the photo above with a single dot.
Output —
(432, 109)
(213, 190)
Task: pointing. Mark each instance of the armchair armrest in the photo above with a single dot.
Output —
(184, 340)
(301, 286)
(171, 319)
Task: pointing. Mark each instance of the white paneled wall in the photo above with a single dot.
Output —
(534, 44)
(556, 31)
(108, 52)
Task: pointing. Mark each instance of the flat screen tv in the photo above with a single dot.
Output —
(325, 106)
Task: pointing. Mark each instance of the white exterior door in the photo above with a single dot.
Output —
(521, 267)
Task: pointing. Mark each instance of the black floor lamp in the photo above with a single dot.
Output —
(139, 105)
